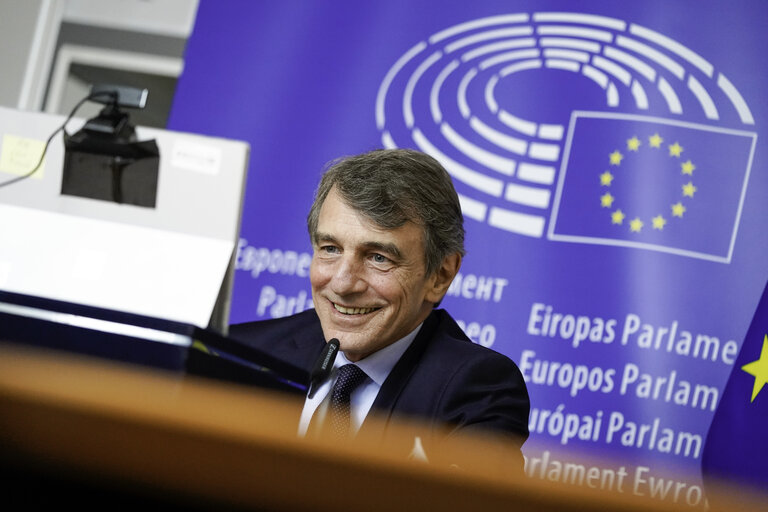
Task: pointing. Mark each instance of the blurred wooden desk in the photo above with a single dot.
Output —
(100, 433)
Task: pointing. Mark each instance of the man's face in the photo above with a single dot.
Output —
(368, 283)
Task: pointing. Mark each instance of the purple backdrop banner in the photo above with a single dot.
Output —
(608, 159)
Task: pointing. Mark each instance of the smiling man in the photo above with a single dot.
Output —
(388, 238)
(370, 285)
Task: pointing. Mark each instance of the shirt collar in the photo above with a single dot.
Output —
(378, 365)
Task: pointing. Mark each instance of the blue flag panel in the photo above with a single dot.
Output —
(737, 442)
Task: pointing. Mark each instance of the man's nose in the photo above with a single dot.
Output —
(348, 277)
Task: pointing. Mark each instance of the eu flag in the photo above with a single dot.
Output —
(736, 449)
(652, 183)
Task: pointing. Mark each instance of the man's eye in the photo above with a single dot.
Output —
(378, 258)
(330, 249)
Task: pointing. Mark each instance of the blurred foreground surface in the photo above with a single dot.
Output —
(83, 431)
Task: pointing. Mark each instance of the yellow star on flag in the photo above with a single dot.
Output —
(606, 200)
(655, 140)
(675, 149)
(606, 178)
(617, 217)
(759, 370)
(616, 157)
(688, 168)
(633, 144)
(658, 222)
(635, 225)
(689, 189)
(678, 210)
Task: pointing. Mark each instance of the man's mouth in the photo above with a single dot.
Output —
(353, 311)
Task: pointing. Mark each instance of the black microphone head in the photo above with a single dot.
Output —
(323, 365)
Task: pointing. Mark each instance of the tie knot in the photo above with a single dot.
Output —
(350, 376)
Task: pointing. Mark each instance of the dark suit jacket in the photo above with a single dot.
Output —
(442, 379)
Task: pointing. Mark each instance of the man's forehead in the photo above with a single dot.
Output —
(369, 234)
(340, 205)
(334, 223)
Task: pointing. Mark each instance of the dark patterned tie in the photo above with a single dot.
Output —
(350, 376)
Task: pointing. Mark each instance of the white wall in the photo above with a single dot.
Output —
(28, 33)
(34, 32)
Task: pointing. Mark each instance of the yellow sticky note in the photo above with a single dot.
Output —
(19, 155)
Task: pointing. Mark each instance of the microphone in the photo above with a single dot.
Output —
(323, 365)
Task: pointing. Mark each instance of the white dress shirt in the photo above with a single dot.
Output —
(377, 366)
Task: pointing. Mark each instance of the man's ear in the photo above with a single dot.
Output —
(442, 278)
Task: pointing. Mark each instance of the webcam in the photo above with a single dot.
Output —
(119, 95)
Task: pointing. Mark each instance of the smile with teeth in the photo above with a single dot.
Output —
(352, 311)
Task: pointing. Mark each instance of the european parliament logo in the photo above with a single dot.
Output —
(577, 127)
(652, 183)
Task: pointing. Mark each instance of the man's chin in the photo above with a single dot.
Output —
(354, 346)
(347, 341)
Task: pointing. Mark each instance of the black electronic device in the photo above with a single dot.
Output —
(120, 95)
(105, 160)
(323, 365)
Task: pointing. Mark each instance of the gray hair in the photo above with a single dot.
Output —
(395, 186)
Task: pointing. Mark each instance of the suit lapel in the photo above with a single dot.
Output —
(399, 376)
